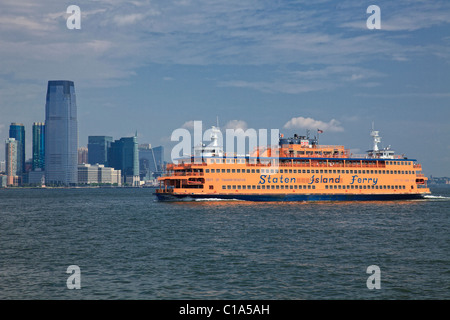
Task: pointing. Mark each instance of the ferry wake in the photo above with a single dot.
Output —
(297, 169)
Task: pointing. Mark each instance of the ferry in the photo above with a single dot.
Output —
(297, 169)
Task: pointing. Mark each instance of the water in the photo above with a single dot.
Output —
(129, 246)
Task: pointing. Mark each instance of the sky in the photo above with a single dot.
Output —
(152, 67)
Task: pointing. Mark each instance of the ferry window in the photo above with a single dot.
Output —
(248, 170)
(244, 187)
(224, 187)
(258, 187)
(295, 170)
(233, 170)
(359, 171)
(239, 187)
(371, 171)
(290, 170)
(403, 172)
(295, 187)
(343, 187)
(321, 171)
(392, 172)
(351, 171)
(249, 187)
(278, 187)
(207, 170)
(326, 187)
(263, 187)
(309, 187)
(272, 187)
(364, 187)
(364, 171)
(334, 171)
(282, 187)
(228, 187)
(257, 170)
(211, 187)
(253, 187)
(373, 187)
(313, 187)
(346, 171)
(253, 170)
(291, 187)
(281, 170)
(238, 170)
(339, 186)
(335, 186)
(403, 187)
(213, 170)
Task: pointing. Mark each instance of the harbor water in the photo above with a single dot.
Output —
(128, 245)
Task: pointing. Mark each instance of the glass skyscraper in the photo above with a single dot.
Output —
(98, 149)
(124, 155)
(61, 134)
(38, 146)
(17, 131)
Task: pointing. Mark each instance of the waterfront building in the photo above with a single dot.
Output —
(98, 149)
(123, 155)
(61, 134)
(2, 166)
(98, 174)
(151, 161)
(17, 131)
(36, 177)
(3, 181)
(13, 161)
(38, 159)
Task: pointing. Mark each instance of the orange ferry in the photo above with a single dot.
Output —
(297, 169)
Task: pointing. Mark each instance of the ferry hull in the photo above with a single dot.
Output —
(289, 197)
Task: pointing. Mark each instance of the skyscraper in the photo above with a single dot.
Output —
(98, 149)
(123, 155)
(61, 134)
(17, 131)
(38, 146)
(13, 161)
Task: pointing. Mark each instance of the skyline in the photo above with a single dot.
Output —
(153, 67)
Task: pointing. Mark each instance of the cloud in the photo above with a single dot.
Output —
(236, 124)
(310, 123)
(188, 125)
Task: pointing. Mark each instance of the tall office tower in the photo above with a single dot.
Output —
(98, 149)
(17, 131)
(61, 134)
(151, 161)
(13, 161)
(123, 155)
(38, 146)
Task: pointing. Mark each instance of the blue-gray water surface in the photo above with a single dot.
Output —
(130, 246)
